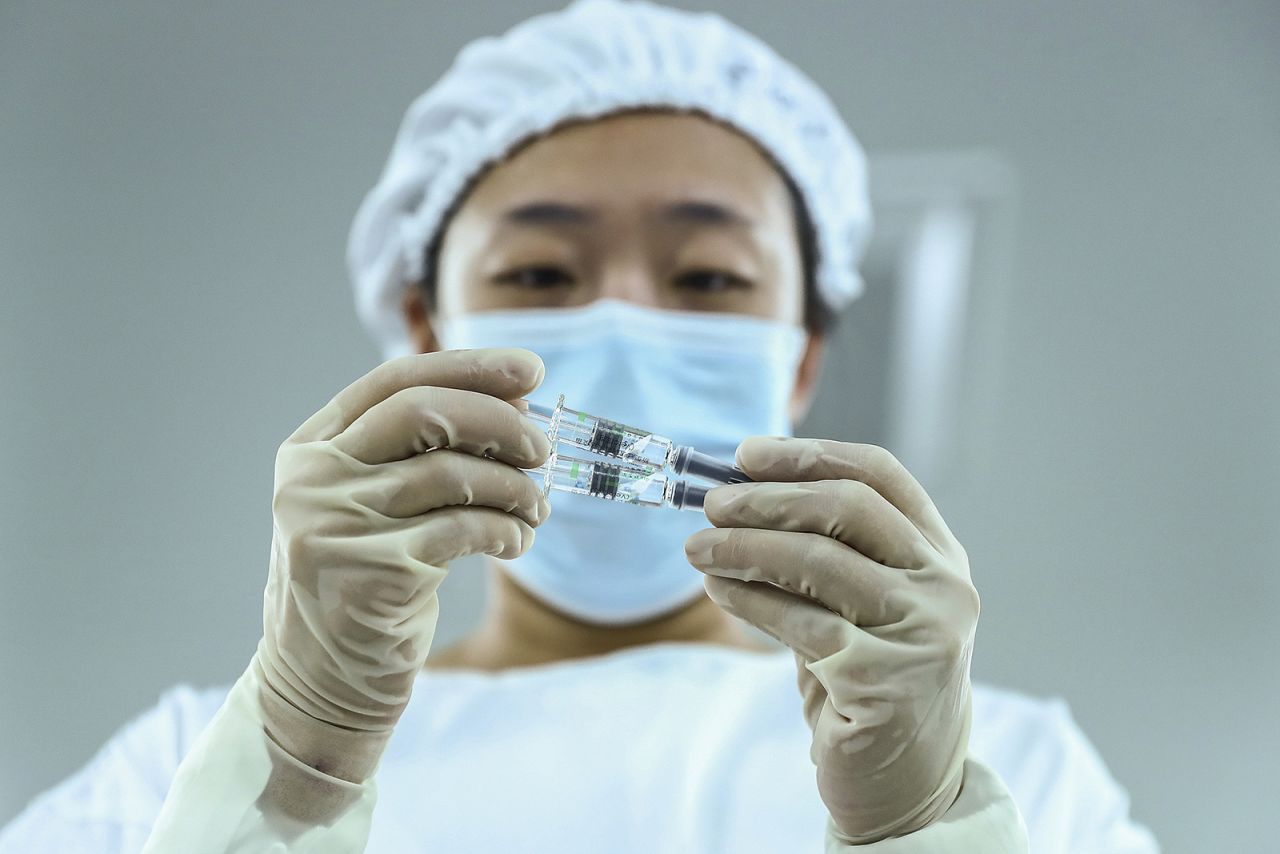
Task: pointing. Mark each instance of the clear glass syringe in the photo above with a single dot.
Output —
(624, 482)
(631, 444)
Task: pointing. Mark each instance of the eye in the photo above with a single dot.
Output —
(712, 281)
(534, 277)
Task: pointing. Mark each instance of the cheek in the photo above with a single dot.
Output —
(461, 281)
(452, 275)
(780, 292)
(780, 297)
(784, 293)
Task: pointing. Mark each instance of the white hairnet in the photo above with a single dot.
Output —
(589, 59)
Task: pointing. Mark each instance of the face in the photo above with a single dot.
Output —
(666, 210)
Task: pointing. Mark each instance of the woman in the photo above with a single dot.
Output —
(651, 213)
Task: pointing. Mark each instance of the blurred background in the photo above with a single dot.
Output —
(176, 185)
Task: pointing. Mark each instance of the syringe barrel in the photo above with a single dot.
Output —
(697, 464)
(602, 436)
(611, 481)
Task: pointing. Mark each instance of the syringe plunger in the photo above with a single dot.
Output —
(697, 464)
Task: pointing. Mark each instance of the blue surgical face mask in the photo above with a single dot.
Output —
(701, 379)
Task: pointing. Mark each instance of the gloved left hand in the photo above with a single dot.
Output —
(837, 552)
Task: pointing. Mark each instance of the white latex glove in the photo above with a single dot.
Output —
(411, 466)
(837, 552)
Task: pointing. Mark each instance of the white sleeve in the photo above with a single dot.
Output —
(237, 791)
(983, 820)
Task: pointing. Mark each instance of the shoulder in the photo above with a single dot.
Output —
(120, 789)
(1056, 775)
(154, 742)
(1009, 720)
(1037, 737)
(148, 748)
(183, 711)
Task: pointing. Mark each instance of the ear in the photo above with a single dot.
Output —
(807, 374)
(418, 319)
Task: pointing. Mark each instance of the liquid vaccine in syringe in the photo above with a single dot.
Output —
(622, 482)
(632, 444)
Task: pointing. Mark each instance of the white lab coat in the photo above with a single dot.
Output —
(665, 748)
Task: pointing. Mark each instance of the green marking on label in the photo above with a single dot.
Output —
(573, 470)
(582, 416)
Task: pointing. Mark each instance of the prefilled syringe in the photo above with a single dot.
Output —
(631, 444)
(614, 481)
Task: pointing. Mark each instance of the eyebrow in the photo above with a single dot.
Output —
(558, 213)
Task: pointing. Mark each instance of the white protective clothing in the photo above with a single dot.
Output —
(663, 748)
(870, 589)
(409, 467)
(587, 60)
(700, 378)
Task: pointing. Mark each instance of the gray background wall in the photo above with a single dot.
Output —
(176, 182)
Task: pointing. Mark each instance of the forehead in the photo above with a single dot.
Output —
(636, 159)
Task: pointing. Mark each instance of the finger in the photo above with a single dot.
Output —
(453, 532)
(849, 511)
(838, 664)
(796, 621)
(446, 478)
(417, 419)
(813, 696)
(767, 458)
(848, 583)
(503, 372)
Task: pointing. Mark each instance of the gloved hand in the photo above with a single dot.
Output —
(839, 553)
(409, 467)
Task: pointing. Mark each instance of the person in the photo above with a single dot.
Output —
(650, 212)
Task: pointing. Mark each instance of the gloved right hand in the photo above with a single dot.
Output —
(412, 465)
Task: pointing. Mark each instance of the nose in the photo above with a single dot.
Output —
(629, 276)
